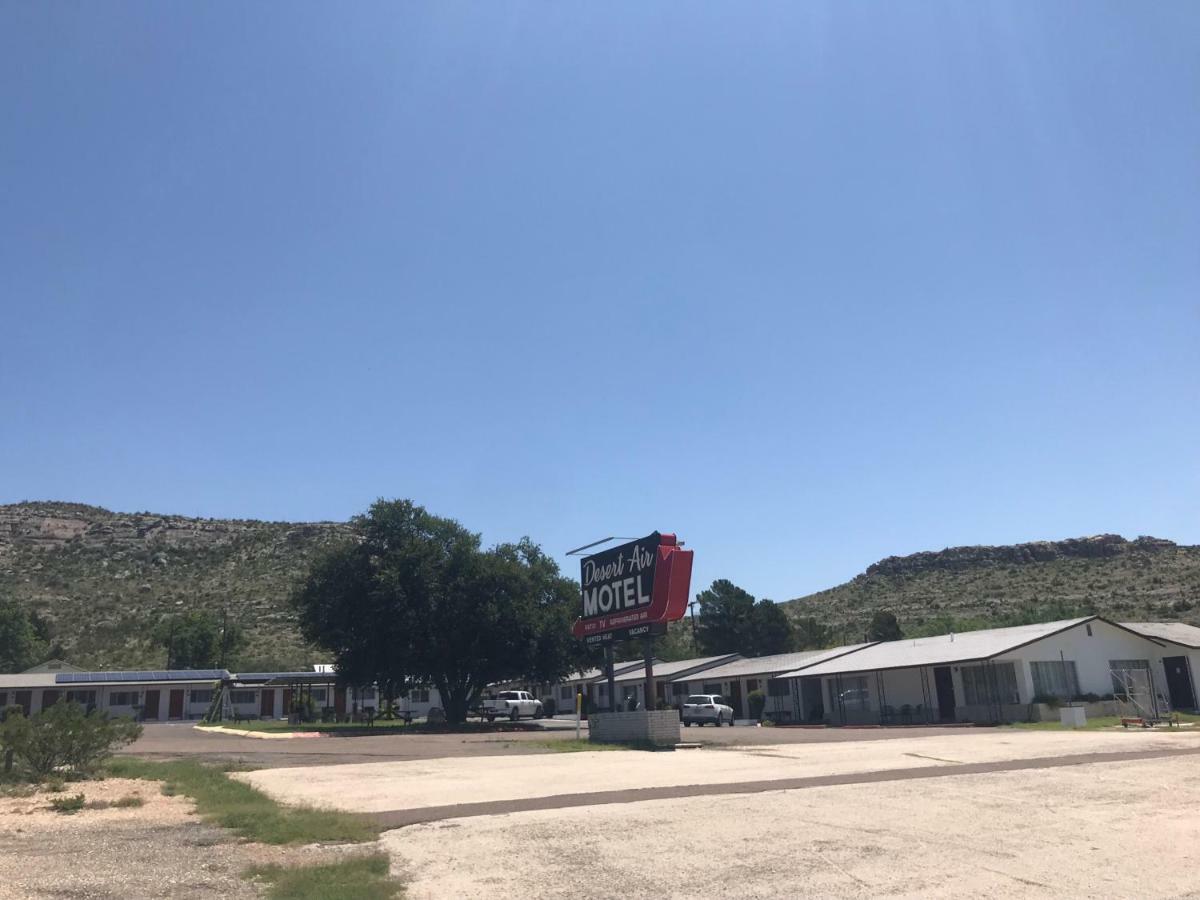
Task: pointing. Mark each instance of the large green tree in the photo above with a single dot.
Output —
(21, 646)
(199, 640)
(724, 619)
(731, 621)
(884, 627)
(415, 599)
(770, 630)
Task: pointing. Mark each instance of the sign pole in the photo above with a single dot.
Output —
(612, 681)
(648, 647)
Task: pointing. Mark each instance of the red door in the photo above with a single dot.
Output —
(267, 707)
(339, 703)
(150, 707)
(175, 704)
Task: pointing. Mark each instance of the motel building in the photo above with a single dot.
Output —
(990, 676)
(1182, 643)
(736, 679)
(632, 681)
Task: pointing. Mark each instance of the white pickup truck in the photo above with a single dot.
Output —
(512, 705)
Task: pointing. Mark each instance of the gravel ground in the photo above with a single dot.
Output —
(377, 787)
(1125, 829)
(157, 850)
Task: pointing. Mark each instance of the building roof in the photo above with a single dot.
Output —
(1175, 632)
(167, 675)
(770, 665)
(52, 665)
(666, 671)
(27, 680)
(939, 650)
(598, 674)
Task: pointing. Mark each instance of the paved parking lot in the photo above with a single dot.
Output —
(180, 739)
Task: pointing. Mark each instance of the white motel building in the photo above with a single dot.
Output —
(989, 676)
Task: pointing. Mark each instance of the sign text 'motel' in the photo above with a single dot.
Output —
(645, 581)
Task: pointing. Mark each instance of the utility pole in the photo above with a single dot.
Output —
(692, 613)
(224, 629)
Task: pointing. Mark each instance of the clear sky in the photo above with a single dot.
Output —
(809, 283)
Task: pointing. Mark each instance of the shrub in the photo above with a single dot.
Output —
(72, 803)
(757, 701)
(64, 736)
(1048, 699)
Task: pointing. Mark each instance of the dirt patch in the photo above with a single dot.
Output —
(158, 849)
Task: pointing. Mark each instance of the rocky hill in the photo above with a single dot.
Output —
(103, 580)
(1146, 579)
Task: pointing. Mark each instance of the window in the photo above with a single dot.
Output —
(984, 685)
(712, 688)
(850, 694)
(318, 695)
(249, 696)
(3, 699)
(565, 692)
(1055, 678)
(778, 687)
(204, 696)
(83, 698)
(1129, 675)
(421, 695)
(123, 698)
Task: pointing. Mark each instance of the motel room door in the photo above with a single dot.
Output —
(735, 699)
(175, 704)
(150, 706)
(1179, 682)
(266, 708)
(944, 682)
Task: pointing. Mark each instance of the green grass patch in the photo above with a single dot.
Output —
(571, 745)
(1099, 722)
(242, 809)
(358, 878)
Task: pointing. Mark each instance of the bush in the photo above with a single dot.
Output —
(65, 737)
(72, 803)
(757, 701)
(1048, 699)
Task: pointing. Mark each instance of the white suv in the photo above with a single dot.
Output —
(701, 708)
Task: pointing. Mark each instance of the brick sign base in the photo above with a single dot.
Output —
(657, 726)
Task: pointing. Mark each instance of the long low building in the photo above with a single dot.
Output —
(737, 679)
(988, 676)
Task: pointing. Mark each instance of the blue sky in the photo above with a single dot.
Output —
(810, 284)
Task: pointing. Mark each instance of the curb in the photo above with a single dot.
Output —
(262, 735)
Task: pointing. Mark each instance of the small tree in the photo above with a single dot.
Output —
(884, 627)
(21, 646)
(64, 736)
